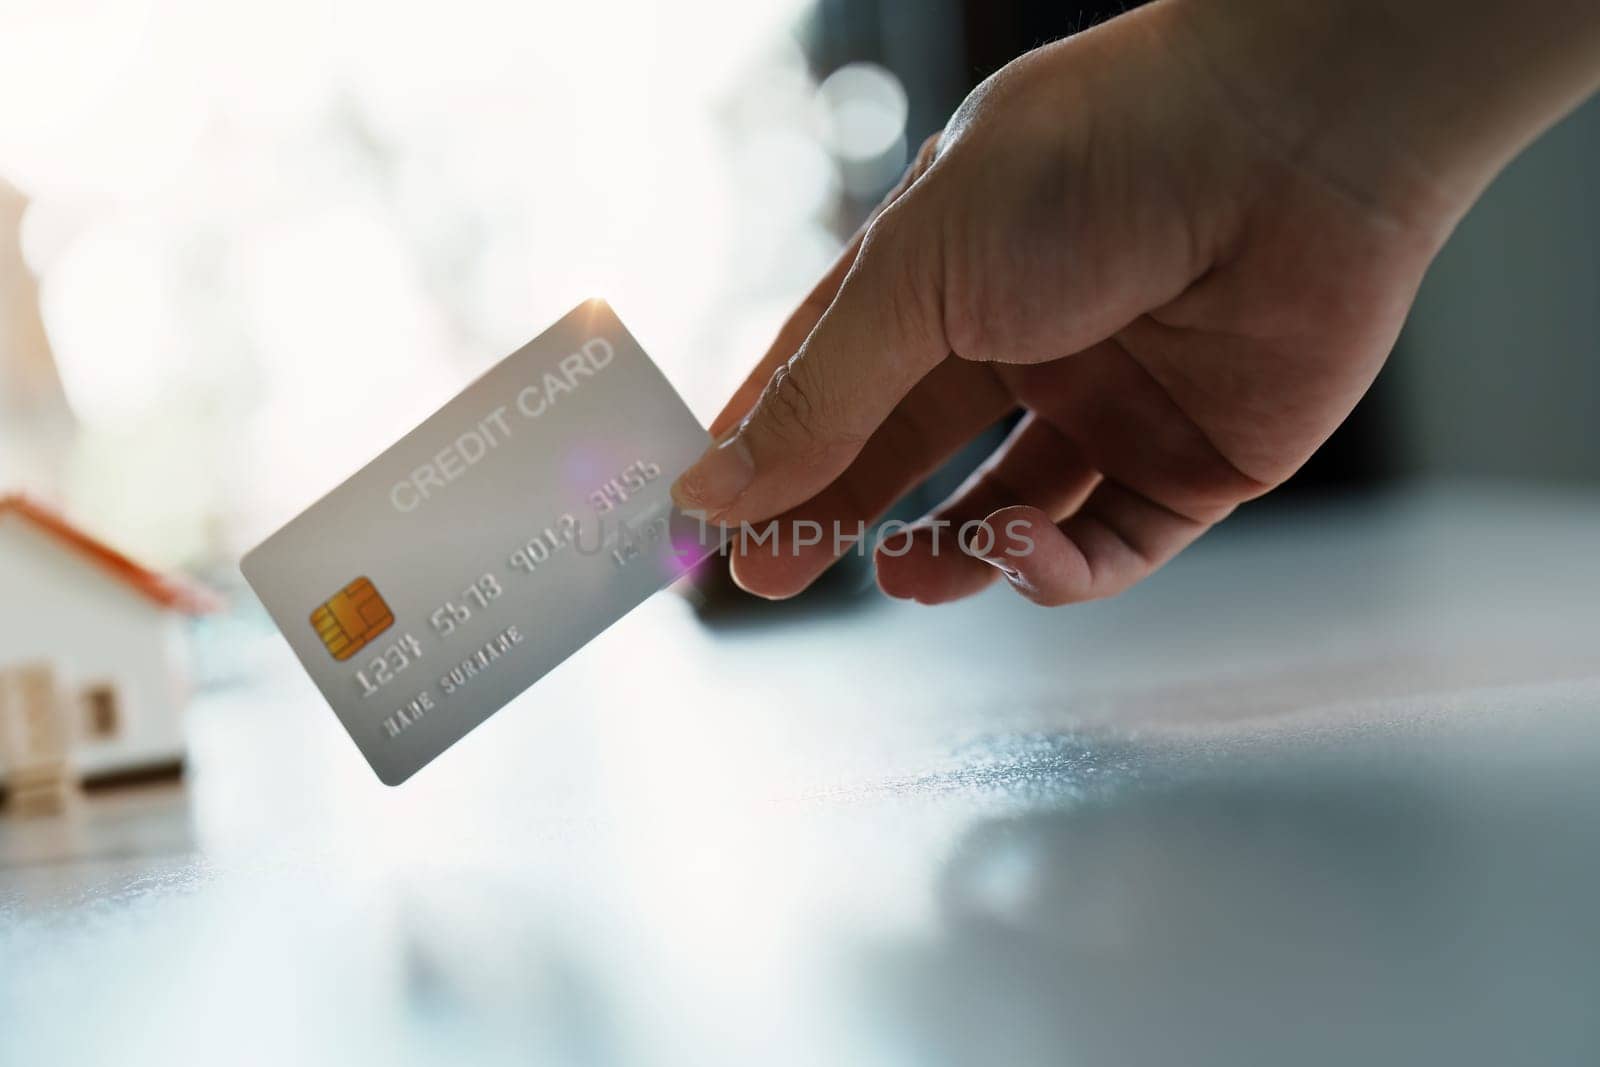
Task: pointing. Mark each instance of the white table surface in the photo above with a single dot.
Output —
(1325, 791)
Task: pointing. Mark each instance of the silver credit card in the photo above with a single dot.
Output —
(490, 543)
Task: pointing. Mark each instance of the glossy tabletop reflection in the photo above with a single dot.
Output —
(1327, 790)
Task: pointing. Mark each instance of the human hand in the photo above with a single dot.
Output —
(1184, 291)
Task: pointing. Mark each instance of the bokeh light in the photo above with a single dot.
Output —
(270, 238)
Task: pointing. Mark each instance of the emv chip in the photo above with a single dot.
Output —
(351, 617)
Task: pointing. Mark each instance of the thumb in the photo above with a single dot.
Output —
(882, 333)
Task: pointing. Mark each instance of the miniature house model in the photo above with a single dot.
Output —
(91, 657)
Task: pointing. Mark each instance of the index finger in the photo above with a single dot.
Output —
(880, 336)
(798, 326)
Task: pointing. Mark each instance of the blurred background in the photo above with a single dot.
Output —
(1336, 762)
(219, 222)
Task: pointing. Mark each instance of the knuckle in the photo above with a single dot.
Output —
(790, 406)
(978, 309)
(920, 165)
(985, 323)
(900, 252)
(882, 235)
(1001, 275)
(965, 324)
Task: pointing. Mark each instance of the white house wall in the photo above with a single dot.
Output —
(59, 606)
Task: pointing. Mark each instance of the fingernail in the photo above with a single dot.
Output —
(1003, 565)
(717, 479)
(738, 580)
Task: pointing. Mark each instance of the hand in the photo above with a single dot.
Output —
(1184, 292)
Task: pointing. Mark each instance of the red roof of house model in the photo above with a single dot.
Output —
(174, 593)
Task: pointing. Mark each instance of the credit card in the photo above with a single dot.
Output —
(490, 543)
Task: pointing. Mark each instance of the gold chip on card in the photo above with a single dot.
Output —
(351, 617)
